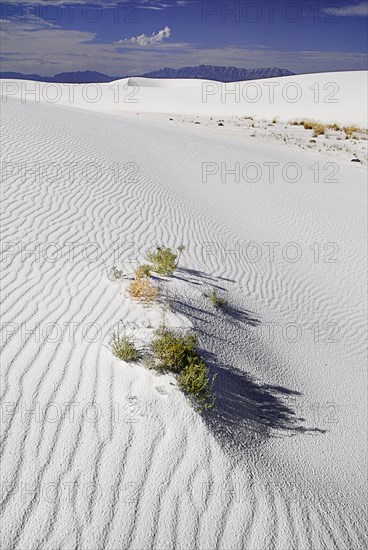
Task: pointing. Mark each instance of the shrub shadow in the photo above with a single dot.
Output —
(246, 410)
(244, 316)
(199, 278)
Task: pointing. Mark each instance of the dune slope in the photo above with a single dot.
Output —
(98, 454)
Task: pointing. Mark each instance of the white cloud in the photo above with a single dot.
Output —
(154, 5)
(144, 40)
(357, 10)
(155, 8)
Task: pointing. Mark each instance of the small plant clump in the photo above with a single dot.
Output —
(318, 129)
(194, 380)
(143, 270)
(143, 290)
(350, 130)
(164, 260)
(173, 351)
(178, 354)
(334, 126)
(181, 249)
(169, 350)
(115, 274)
(218, 301)
(123, 347)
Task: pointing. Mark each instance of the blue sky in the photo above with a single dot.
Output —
(132, 37)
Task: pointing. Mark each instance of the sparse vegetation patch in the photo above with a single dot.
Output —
(143, 289)
(115, 274)
(163, 260)
(173, 351)
(350, 130)
(194, 380)
(123, 347)
(317, 127)
(218, 301)
(143, 270)
(169, 350)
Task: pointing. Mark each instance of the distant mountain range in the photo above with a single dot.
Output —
(204, 72)
(78, 77)
(222, 74)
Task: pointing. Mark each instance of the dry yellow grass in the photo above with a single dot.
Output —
(143, 290)
(310, 125)
(318, 129)
(350, 130)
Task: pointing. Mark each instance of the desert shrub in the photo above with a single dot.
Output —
(163, 260)
(143, 290)
(217, 301)
(173, 351)
(349, 130)
(115, 274)
(143, 270)
(334, 126)
(194, 380)
(318, 129)
(308, 124)
(296, 123)
(123, 347)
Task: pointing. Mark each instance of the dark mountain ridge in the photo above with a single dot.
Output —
(204, 72)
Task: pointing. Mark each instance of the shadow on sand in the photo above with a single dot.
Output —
(245, 409)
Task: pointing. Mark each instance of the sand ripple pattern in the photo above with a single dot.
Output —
(93, 455)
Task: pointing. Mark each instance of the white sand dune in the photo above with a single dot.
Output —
(163, 84)
(96, 454)
(328, 97)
